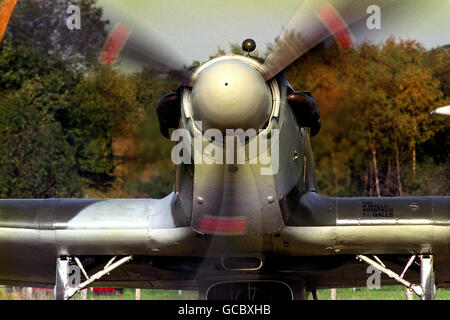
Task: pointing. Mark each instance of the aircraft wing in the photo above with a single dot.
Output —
(320, 242)
(374, 225)
(442, 111)
(34, 233)
(393, 227)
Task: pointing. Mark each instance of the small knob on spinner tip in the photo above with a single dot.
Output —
(248, 45)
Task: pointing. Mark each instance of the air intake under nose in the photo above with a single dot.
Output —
(231, 94)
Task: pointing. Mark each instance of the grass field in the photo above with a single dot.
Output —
(385, 293)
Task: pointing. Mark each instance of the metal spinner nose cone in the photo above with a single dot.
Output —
(231, 94)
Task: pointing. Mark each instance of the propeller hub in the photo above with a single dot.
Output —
(231, 94)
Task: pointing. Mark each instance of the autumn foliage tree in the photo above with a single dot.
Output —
(375, 102)
(59, 111)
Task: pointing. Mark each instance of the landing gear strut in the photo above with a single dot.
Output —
(426, 290)
(68, 276)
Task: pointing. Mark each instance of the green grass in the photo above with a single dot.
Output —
(385, 293)
(128, 294)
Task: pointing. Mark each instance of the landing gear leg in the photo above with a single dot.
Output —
(300, 290)
(62, 276)
(426, 290)
(65, 290)
(314, 294)
(427, 277)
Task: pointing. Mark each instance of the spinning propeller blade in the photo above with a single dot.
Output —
(314, 21)
(129, 38)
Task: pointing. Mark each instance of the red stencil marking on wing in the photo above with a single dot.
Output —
(114, 44)
(336, 25)
(222, 225)
(6, 10)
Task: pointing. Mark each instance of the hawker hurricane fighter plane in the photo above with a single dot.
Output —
(245, 219)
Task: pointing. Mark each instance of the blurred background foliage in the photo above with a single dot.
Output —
(71, 128)
(377, 137)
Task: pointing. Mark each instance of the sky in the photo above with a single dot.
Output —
(196, 28)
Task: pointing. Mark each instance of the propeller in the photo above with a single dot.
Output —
(129, 38)
(313, 22)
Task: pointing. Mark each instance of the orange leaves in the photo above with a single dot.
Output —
(371, 95)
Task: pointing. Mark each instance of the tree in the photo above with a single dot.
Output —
(375, 102)
(41, 24)
(77, 113)
(36, 161)
(153, 149)
(438, 60)
(101, 107)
